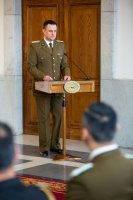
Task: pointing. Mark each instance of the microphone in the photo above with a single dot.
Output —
(80, 69)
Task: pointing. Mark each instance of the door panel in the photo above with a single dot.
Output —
(84, 49)
(79, 26)
(34, 14)
(84, 39)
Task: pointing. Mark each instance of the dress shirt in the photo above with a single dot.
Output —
(47, 42)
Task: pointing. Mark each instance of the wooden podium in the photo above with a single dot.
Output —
(59, 87)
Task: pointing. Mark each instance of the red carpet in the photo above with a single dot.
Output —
(57, 188)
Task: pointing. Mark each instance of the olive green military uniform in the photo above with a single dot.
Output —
(108, 177)
(43, 60)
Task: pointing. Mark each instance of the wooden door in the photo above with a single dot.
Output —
(82, 25)
(79, 25)
(34, 14)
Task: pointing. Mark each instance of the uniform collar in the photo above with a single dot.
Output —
(47, 42)
(102, 150)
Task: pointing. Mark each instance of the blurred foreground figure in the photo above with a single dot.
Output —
(10, 186)
(108, 174)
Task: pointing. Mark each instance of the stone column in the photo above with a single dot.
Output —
(11, 75)
(118, 92)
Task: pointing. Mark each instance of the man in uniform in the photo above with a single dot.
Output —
(47, 61)
(10, 186)
(108, 175)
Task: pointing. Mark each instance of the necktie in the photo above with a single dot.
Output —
(50, 44)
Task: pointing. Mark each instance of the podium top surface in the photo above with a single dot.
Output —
(58, 86)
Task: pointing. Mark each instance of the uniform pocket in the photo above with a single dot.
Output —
(59, 55)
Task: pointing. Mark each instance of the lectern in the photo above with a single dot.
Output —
(65, 87)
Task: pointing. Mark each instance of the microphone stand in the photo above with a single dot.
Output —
(80, 69)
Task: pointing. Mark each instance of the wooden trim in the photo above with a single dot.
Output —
(82, 2)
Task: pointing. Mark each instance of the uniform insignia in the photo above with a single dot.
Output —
(35, 41)
(81, 170)
(59, 41)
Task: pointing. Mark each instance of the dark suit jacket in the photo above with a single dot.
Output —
(13, 189)
(110, 178)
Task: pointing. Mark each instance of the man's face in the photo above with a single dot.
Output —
(50, 32)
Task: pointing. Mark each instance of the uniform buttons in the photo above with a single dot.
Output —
(54, 64)
(54, 70)
(53, 58)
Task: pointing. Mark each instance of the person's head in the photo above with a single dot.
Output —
(7, 149)
(50, 30)
(99, 124)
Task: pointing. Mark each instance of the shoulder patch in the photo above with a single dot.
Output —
(36, 41)
(81, 170)
(59, 41)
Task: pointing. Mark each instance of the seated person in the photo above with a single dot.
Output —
(11, 187)
(108, 174)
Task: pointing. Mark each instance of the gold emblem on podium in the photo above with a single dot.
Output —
(72, 87)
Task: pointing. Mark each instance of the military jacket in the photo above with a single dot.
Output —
(108, 177)
(43, 60)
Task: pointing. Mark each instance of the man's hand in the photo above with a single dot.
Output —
(47, 78)
(67, 78)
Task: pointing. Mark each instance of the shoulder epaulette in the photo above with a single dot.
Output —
(36, 41)
(59, 41)
(81, 170)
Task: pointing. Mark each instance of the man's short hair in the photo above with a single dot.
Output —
(100, 120)
(51, 22)
(6, 146)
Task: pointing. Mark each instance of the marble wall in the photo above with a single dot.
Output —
(1, 37)
(11, 75)
(124, 40)
(117, 92)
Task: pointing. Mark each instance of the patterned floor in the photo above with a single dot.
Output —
(30, 162)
